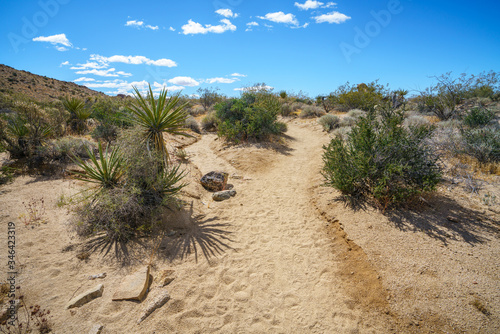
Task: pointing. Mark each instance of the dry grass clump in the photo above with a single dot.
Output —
(209, 122)
(329, 122)
(311, 111)
(196, 110)
(192, 124)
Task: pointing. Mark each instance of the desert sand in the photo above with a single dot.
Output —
(284, 255)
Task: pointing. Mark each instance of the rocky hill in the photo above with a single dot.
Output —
(39, 88)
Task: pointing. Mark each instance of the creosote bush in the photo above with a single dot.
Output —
(477, 117)
(382, 159)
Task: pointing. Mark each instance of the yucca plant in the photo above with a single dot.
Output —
(79, 114)
(105, 170)
(156, 116)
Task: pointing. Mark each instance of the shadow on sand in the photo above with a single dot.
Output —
(442, 218)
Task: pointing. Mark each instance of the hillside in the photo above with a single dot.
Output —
(39, 88)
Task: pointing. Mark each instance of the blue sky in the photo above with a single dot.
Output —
(313, 46)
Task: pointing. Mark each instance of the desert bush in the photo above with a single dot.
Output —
(62, 149)
(342, 132)
(415, 120)
(106, 132)
(251, 117)
(286, 109)
(329, 122)
(296, 106)
(362, 96)
(382, 159)
(209, 122)
(311, 111)
(134, 186)
(57, 119)
(196, 110)
(483, 143)
(326, 102)
(443, 97)
(209, 97)
(356, 113)
(192, 124)
(477, 117)
(25, 130)
(348, 121)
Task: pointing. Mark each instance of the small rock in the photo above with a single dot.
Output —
(134, 287)
(223, 195)
(101, 275)
(86, 297)
(164, 277)
(156, 303)
(96, 329)
(214, 181)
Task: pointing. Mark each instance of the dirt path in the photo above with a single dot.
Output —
(282, 274)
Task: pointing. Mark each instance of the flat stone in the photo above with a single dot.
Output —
(164, 277)
(223, 195)
(86, 297)
(158, 301)
(134, 287)
(96, 329)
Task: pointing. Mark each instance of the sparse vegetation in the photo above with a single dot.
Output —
(311, 111)
(329, 122)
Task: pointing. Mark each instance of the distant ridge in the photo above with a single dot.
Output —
(40, 88)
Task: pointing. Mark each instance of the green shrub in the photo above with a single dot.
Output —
(356, 113)
(477, 117)
(483, 143)
(329, 122)
(382, 159)
(209, 122)
(311, 111)
(362, 96)
(251, 117)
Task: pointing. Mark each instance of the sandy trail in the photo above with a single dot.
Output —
(281, 274)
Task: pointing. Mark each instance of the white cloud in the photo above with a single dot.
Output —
(134, 23)
(252, 24)
(184, 81)
(88, 65)
(171, 29)
(309, 4)
(64, 63)
(83, 79)
(140, 24)
(196, 28)
(103, 73)
(125, 87)
(221, 80)
(333, 17)
(136, 60)
(238, 75)
(329, 5)
(60, 41)
(280, 17)
(227, 13)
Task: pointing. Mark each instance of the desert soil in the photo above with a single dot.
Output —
(285, 255)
